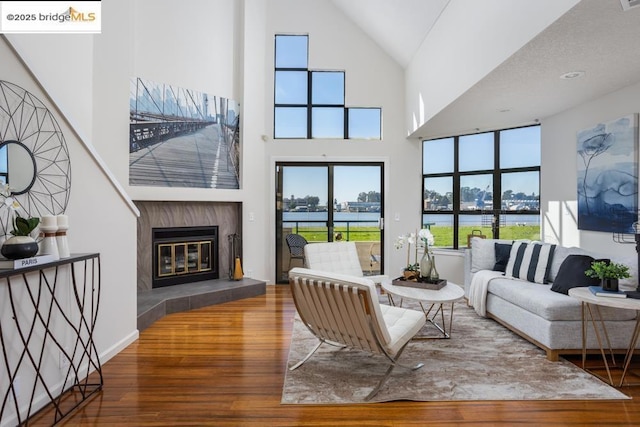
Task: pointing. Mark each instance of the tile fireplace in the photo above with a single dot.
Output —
(184, 214)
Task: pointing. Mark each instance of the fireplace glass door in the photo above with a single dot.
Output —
(181, 258)
(186, 254)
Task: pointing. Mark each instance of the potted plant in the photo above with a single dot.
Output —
(609, 273)
(21, 244)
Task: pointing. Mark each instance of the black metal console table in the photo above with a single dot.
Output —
(49, 361)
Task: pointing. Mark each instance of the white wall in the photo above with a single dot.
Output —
(373, 79)
(558, 171)
(100, 220)
(71, 88)
(461, 49)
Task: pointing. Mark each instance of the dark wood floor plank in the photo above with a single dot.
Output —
(224, 365)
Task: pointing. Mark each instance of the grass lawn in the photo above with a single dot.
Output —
(442, 234)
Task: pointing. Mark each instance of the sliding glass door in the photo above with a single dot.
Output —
(325, 202)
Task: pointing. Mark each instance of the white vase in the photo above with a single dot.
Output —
(49, 244)
(61, 236)
(434, 276)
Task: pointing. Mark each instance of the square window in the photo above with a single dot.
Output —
(365, 123)
(291, 87)
(291, 51)
(476, 192)
(437, 156)
(290, 122)
(327, 87)
(438, 194)
(476, 152)
(327, 122)
(520, 147)
(441, 226)
(521, 191)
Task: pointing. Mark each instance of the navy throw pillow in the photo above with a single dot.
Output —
(571, 274)
(502, 256)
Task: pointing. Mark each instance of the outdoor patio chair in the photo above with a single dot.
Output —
(374, 256)
(296, 244)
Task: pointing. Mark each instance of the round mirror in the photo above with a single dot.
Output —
(36, 163)
(17, 166)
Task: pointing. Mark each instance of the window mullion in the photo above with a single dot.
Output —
(346, 124)
(456, 191)
(309, 104)
(497, 186)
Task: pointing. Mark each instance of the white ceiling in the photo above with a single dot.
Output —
(596, 36)
(397, 26)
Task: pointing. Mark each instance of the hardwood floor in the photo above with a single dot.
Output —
(224, 365)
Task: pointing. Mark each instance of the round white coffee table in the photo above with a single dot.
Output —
(435, 299)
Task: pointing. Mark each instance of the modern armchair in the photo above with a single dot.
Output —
(337, 257)
(344, 310)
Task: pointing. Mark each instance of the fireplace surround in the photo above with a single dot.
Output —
(177, 214)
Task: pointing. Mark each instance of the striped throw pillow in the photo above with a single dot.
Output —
(530, 261)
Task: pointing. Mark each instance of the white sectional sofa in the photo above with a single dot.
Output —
(549, 319)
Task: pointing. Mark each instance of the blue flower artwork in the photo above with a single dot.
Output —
(607, 175)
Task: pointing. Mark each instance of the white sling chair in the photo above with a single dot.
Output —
(337, 257)
(344, 310)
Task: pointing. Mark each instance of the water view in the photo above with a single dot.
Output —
(371, 219)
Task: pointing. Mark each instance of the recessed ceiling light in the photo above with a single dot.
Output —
(572, 75)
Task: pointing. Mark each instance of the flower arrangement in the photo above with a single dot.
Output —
(427, 238)
(423, 238)
(408, 240)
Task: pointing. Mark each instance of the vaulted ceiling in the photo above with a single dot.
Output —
(596, 37)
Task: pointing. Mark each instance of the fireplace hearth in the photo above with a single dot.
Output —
(184, 255)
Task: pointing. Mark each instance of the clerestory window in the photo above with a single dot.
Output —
(310, 104)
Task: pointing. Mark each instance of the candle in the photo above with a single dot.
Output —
(63, 221)
(48, 221)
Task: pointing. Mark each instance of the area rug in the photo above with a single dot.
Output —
(482, 361)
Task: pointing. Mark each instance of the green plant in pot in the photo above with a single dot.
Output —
(21, 244)
(609, 273)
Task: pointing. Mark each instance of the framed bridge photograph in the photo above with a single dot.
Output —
(182, 138)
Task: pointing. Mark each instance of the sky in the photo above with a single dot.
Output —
(349, 181)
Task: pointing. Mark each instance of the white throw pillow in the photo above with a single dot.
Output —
(530, 261)
(483, 253)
